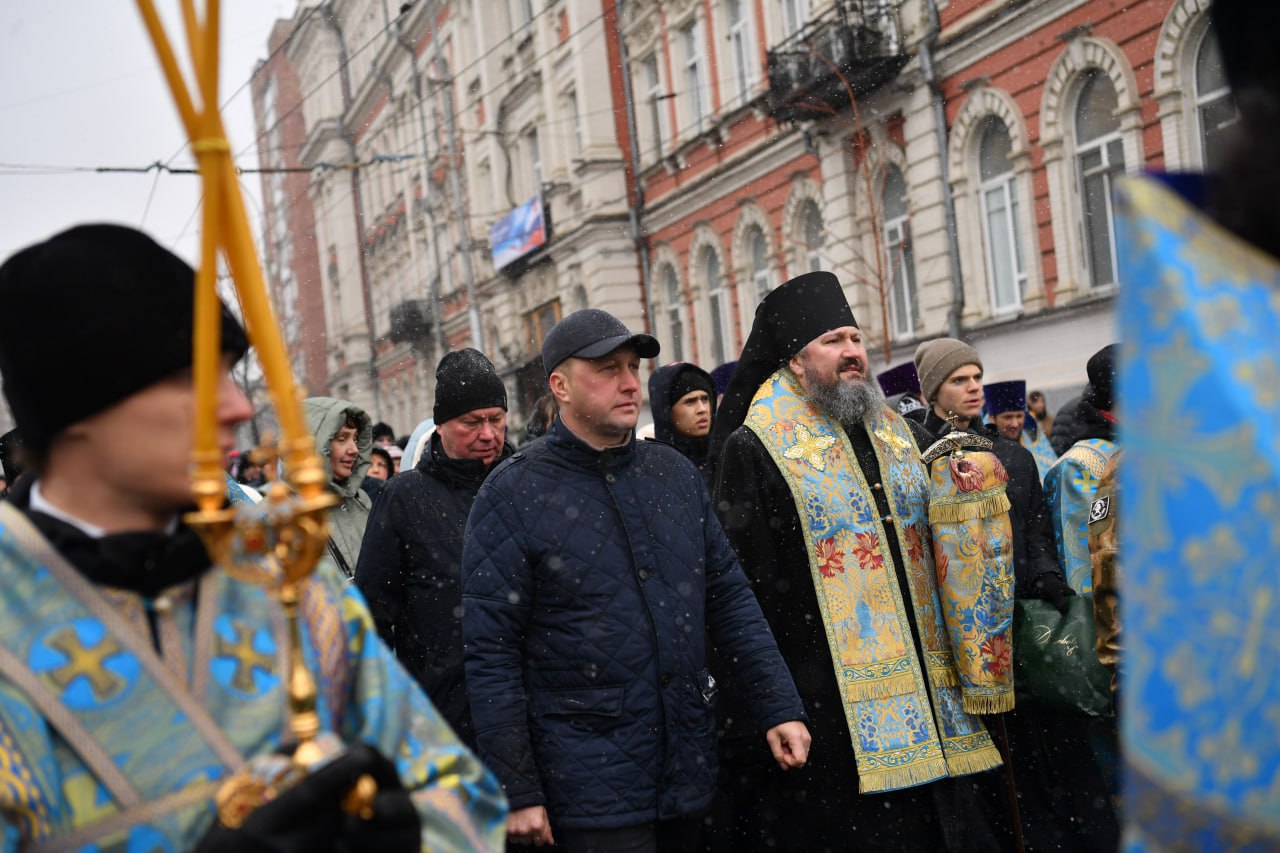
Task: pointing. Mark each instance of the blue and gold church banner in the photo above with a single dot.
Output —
(1200, 546)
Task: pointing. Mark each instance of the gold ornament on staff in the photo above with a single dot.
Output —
(275, 544)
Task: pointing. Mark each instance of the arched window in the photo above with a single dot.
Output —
(1215, 107)
(1100, 158)
(1006, 269)
(761, 278)
(814, 236)
(675, 326)
(719, 299)
(900, 257)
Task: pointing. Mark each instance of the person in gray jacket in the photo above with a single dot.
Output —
(344, 440)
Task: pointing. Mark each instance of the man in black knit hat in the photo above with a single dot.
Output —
(412, 550)
(682, 398)
(824, 497)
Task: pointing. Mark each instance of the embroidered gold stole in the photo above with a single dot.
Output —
(906, 721)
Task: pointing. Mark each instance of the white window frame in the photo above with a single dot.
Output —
(761, 274)
(694, 75)
(741, 48)
(795, 15)
(673, 299)
(1106, 169)
(575, 117)
(656, 98)
(900, 264)
(1006, 186)
(813, 259)
(534, 151)
(1204, 100)
(717, 302)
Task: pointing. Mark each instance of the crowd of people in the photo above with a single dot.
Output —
(723, 631)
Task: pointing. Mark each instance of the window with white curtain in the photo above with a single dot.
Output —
(1215, 106)
(900, 256)
(718, 296)
(1100, 160)
(1006, 268)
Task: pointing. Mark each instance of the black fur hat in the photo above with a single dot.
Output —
(91, 316)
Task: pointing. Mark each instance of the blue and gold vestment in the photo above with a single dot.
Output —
(905, 717)
(1069, 488)
(113, 740)
(1200, 681)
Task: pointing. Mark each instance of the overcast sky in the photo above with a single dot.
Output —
(82, 87)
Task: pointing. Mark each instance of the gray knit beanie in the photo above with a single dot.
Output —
(938, 359)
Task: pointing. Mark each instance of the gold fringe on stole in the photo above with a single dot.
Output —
(988, 703)
(881, 688)
(945, 676)
(964, 763)
(966, 506)
(893, 778)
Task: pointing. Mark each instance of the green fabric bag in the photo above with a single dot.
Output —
(1055, 659)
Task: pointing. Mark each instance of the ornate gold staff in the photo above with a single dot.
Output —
(278, 543)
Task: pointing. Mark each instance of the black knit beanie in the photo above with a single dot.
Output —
(465, 381)
(688, 381)
(89, 317)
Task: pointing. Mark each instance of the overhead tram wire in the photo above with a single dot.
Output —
(359, 50)
(221, 108)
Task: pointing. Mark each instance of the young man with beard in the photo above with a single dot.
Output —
(824, 497)
(593, 575)
(412, 552)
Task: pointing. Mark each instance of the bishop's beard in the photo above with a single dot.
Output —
(848, 402)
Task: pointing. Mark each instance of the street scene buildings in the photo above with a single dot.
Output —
(467, 173)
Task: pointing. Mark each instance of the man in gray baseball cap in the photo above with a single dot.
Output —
(592, 572)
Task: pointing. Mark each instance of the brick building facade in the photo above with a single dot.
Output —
(687, 155)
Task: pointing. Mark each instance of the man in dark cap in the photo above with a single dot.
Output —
(682, 398)
(593, 574)
(901, 387)
(824, 497)
(412, 552)
(1071, 483)
(136, 677)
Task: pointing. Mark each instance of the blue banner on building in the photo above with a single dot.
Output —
(518, 233)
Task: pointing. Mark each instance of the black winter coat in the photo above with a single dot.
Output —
(1064, 427)
(591, 580)
(408, 571)
(1034, 550)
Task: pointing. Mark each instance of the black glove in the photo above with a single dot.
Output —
(309, 816)
(1051, 587)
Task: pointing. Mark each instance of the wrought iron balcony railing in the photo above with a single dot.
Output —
(411, 320)
(855, 42)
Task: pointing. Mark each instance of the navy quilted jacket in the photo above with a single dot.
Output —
(590, 582)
